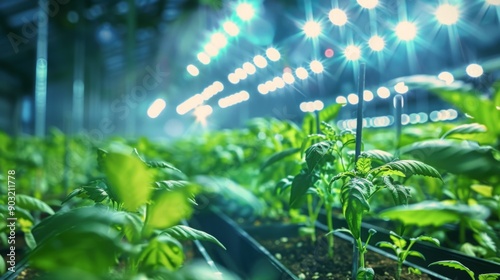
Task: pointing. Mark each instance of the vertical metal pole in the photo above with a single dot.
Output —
(359, 135)
(130, 72)
(41, 70)
(398, 110)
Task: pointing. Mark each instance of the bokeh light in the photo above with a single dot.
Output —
(156, 108)
(367, 95)
(447, 14)
(406, 31)
(193, 70)
(273, 54)
(316, 66)
(383, 92)
(368, 4)
(376, 43)
(353, 99)
(474, 70)
(260, 61)
(352, 52)
(231, 28)
(312, 29)
(203, 58)
(446, 77)
(329, 53)
(337, 17)
(245, 11)
(301, 73)
(249, 68)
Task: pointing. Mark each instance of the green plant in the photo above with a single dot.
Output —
(135, 222)
(402, 248)
(457, 265)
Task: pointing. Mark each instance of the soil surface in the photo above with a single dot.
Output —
(310, 261)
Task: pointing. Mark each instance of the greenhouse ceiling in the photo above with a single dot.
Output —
(168, 67)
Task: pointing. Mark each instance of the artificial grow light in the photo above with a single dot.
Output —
(273, 54)
(231, 28)
(474, 70)
(156, 108)
(383, 92)
(337, 17)
(352, 52)
(447, 14)
(316, 67)
(245, 11)
(260, 61)
(301, 73)
(312, 29)
(368, 4)
(376, 43)
(406, 31)
(193, 70)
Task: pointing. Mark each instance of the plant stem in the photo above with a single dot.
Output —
(399, 270)
(462, 231)
(330, 228)
(361, 251)
(312, 218)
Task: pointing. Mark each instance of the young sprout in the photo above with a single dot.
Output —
(402, 249)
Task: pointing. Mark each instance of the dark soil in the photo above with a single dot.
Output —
(310, 261)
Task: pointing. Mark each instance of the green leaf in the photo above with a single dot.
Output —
(132, 226)
(378, 156)
(354, 203)
(486, 191)
(465, 129)
(316, 153)
(416, 254)
(456, 265)
(385, 244)
(171, 184)
(398, 241)
(182, 232)
(162, 251)
(468, 158)
(433, 213)
(300, 184)
(32, 204)
(30, 240)
(20, 212)
(366, 273)
(429, 239)
(309, 124)
(399, 193)
(329, 113)
(412, 167)
(363, 165)
(87, 248)
(3, 267)
(278, 156)
(283, 184)
(129, 180)
(489, 276)
(167, 209)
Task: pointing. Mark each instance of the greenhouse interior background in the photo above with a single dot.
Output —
(284, 113)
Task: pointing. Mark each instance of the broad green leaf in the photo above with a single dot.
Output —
(366, 273)
(399, 241)
(309, 124)
(399, 193)
(456, 265)
(316, 153)
(489, 276)
(32, 204)
(468, 158)
(30, 240)
(300, 184)
(278, 157)
(427, 213)
(309, 138)
(182, 232)
(378, 156)
(412, 167)
(168, 209)
(87, 217)
(416, 254)
(329, 113)
(354, 203)
(162, 251)
(99, 244)
(385, 244)
(465, 129)
(283, 184)
(129, 180)
(132, 226)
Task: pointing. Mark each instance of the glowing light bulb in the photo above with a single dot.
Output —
(301, 73)
(352, 52)
(245, 11)
(193, 70)
(368, 4)
(406, 31)
(474, 70)
(337, 17)
(260, 61)
(376, 43)
(312, 29)
(383, 92)
(273, 54)
(447, 14)
(316, 66)
(353, 99)
(231, 28)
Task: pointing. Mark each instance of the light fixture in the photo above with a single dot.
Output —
(406, 31)
(312, 29)
(337, 17)
(352, 52)
(474, 70)
(156, 108)
(447, 14)
(376, 43)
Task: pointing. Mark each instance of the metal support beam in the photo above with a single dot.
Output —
(41, 70)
